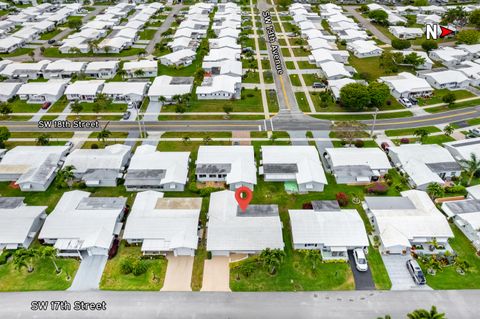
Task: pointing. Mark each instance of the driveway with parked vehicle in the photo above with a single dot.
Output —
(363, 279)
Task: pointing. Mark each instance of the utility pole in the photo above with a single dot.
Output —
(374, 121)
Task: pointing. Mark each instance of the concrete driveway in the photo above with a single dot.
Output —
(179, 273)
(363, 279)
(154, 108)
(398, 272)
(89, 273)
(216, 274)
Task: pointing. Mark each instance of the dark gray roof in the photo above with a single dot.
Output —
(213, 168)
(11, 202)
(101, 203)
(444, 167)
(464, 206)
(325, 205)
(146, 174)
(178, 80)
(353, 171)
(258, 211)
(389, 203)
(280, 168)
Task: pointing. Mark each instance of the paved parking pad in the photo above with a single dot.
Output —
(216, 274)
(398, 272)
(89, 273)
(179, 273)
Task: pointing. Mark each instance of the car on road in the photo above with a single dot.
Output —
(475, 132)
(51, 41)
(46, 105)
(360, 259)
(405, 102)
(126, 115)
(416, 272)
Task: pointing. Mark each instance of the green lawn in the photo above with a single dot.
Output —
(35, 134)
(299, 52)
(306, 65)
(272, 101)
(251, 77)
(43, 276)
(434, 139)
(197, 134)
(360, 117)
(50, 35)
(459, 105)
(438, 95)
(448, 278)
(369, 68)
(21, 106)
(55, 53)
(113, 279)
(295, 79)
(302, 101)
(147, 34)
(17, 52)
(379, 272)
(410, 131)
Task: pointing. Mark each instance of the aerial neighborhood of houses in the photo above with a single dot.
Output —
(239, 146)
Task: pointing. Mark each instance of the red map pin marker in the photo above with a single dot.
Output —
(243, 195)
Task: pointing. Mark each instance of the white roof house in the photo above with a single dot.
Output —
(473, 192)
(424, 164)
(407, 85)
(32, 167)
(19, 223)
(462, 150)
(402, 32)
(448, 79)
(449, 56)
(148, 67)
(472, 49)
(232, 231)
(10, 44)
(81, 224)
(364, 48)
(102, 69)
(336, 85)
(114, 45)
(179, 58)
(217, 87)
(357, 165)
(319, 43)
(222, 54)
(150, 169)
(300, 164)
(334, 70)
(168, 87)
(466, 215)
(333, 231)
(229, 67)
(471, 70)
(164, 224)
(40, 92)
(402, 222)
(235, 165)
(352, 35)
(8, 90)
(24, 70)
(99, 167)
(84, 91)
(320, 56)
(60, 69)
(124, 92)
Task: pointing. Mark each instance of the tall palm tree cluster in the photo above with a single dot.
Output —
(26, 258)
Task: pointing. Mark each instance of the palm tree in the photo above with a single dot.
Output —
(162, 99)
(103, 134)
(425, 314)
(435, 190)
(448, 130)
(67, 175)
(50, 252)
(76, 107)
(422, 134)
(139, 73)
(471, 166)
(122, 73)
(25, 258)
(313, 257)
(272, 259)
(31, 54)
(43, 139)
(206, 140)
(385, 317)
(5, 109)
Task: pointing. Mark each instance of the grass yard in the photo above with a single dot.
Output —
(290, 65)
(251, 77)
(299, 52)
(459, 105)
(410, 131)
(147, 34)
(17, 52)
(197, 134)
(379, 272)
(55, 53)
(43, 276)
(152, 279)
(21, 106)
(439, 94)
(272, 101)
(448, 278)
(359, 117)
(302, 102)
(295, 79)
(434, 139)
(35, 134)
(50, 35)
(172, 71)
(111, 108)
(369, 68)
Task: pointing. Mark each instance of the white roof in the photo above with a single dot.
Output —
(117, 42)
(165, 85)
(222, 54)
(111, 157)
(91, 87)
(406, 82)
(179, 55)
(470, 48)
(175, 164)
(372, 157)
(448, 53)
(333, 68)
(140, 65)
(10, 41)
(219, 83)
(226, 67)
(51, 87)
(65, 65)
(241, 159)
(465, 148)
(101, 65)
(82, 222)
(9, 88)
(165, 223)
(229, 232)
(474, 191)
(128, 33)
(322, 55)
(21, 159)
(124, 88)
(223, 42)
(319, 43)
(343, 228)
(400, 226)
(16, 222)
(306, 157)
(447, 76)
(336, 85)
(363, 46)
(14, 67)
(405, 30)
(470, 69)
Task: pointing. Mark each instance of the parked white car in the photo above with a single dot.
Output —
(406, 102)
(360, 259)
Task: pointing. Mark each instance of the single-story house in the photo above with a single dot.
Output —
(84, 91)
(333, 70)
(168, 87)
(448, 79)
(336, 85)
(364, 48)
(466, 215)
(101, 69)
(408, 223)
(234, 165)
(10, 44)
(298, 166)
(154, 170)
(228, 67)
(473, 192)
(320, 56)
(407, 85)
(19, 223)
(357, 165)
(141, 69)
(231, 230)
(463, 149)
(81, 225)
(99, 167)
(427, 65)
(63, 69)
(449, 56)
(220, 87)
(178, 58)
(20, 70)
(8, 90)
(40, 92)
(329, 229)
(402, 32)
(163, 225)
(125, 92)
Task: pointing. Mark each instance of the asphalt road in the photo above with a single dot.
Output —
(331, 305)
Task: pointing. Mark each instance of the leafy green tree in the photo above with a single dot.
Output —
(388, 61)
(474, 18)
(272, 259)
(25, 258)
(413, 59)
(126, 265)
(378, 16)
(313, 257)
(139, 267)
(422, 134)
(435, 190)
(180, 109)
(379, 93)
(400, 44)
(227, 109)
(468, 36)
(471, 166)
(420, 3)
(449, 98)
(4, 135)
(139, 73)
(355, 96)
(49, 252)
(429, 45)
(75, 24)
(66, 175)
(43, 139)
(31, 54)
(425, 314)
(5, 109)
(448, 130)
(247, 267)
(122, 73)
(76, 107)
(456, 15)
